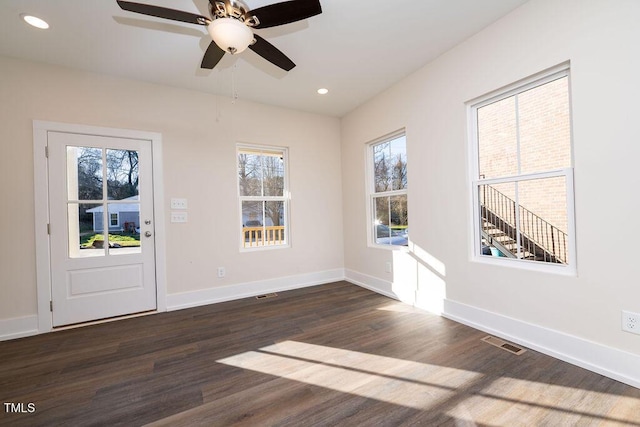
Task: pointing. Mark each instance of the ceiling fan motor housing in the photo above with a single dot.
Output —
(232, 9)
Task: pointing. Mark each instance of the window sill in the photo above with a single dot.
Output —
(557, 269)
(264, 248)
(389, 247)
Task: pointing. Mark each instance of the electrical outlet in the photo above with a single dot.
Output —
(221, 272)
(631, 322)
(387, 267)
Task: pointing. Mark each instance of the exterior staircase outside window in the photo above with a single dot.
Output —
(538, 240)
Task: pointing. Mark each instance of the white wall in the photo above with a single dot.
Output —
(600, 38)
(199, 132)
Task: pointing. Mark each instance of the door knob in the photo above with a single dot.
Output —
(147, 234)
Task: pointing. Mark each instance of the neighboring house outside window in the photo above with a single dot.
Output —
(522, 173)
(388, 191)
(264, 196)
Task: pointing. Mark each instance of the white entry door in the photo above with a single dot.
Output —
(102, 249)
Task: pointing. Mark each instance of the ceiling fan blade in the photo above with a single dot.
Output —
(284, 13)
(163, 12)
(271, 53)
(212, 56)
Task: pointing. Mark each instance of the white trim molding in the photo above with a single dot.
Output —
(236, 291)
(380, 286)
(18, 327)
(610, 362)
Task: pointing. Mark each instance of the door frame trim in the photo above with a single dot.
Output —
(41, 199)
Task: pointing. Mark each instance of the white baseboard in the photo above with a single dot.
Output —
(383, 287)
(250, 289)
(18, 327)
(610, 362)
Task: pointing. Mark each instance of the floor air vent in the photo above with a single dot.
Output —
(272, 295)
(511, 348)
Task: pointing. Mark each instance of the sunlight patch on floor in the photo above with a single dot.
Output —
(401, 382)
(512, 398)
(399, 307)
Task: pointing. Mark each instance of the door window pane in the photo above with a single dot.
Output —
(84, 173)
(124, 230)
(86, 237)
(122, 174)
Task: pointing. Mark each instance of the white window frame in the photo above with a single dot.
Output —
(117, 214)
(286, 196)
(539, 79)
(372, 195)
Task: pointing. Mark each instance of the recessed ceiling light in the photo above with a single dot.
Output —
(323, 91)
(34, 21)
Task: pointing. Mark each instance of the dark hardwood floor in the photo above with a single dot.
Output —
(328, 355)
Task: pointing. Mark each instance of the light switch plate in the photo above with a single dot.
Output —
(178, 217)
(178, 203)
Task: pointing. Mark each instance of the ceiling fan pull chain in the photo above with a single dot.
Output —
(234, 93)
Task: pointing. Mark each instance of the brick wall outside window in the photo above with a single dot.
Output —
(545, 144)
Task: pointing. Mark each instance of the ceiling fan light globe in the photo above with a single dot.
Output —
(231, 35)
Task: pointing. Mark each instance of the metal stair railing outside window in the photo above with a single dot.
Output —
(540, 239)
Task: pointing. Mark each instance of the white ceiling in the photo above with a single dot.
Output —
(355, 48)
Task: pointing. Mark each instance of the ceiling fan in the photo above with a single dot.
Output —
(231, 26)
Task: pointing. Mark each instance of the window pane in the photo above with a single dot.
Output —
(498, 220)
(85, 230)
(398, 156)
(252, 223)
(545, 129)
(391, 220)
(84, 174)
(252, 214)
(273, 175)
(124, 229)
(263, 223)
(399, 219)
(274, 223)
(538, 221)
(497, 139)
(390, 165)
(543, 219)
(250, 174)
(122, 174)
